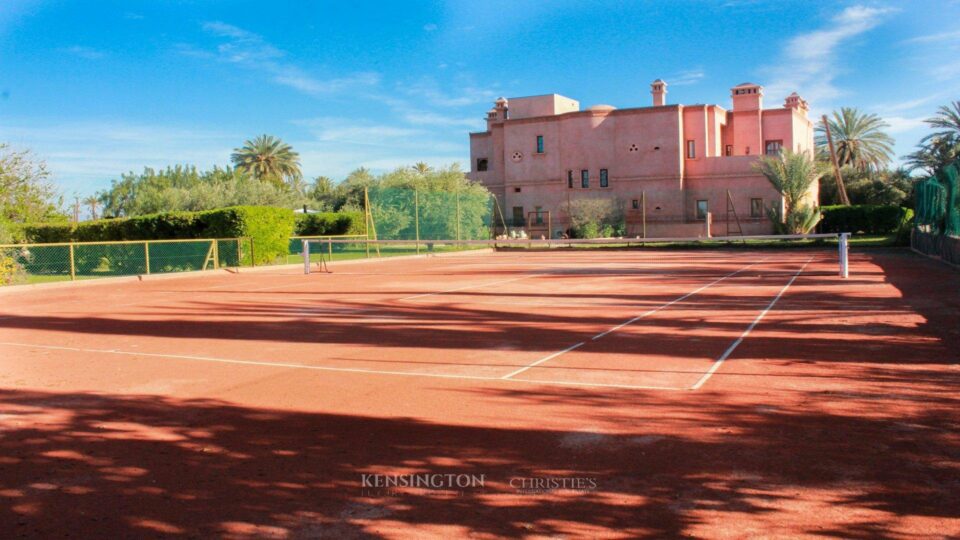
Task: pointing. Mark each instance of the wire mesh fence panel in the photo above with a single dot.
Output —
(103, 260)
(38, 263)
(426, 214)
(34, 264)
(937, 202)
(230, 252)
(186, 256)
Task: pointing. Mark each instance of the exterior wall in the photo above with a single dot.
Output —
(546, 105)
(644, 151)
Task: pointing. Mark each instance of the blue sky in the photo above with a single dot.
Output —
(101, 87)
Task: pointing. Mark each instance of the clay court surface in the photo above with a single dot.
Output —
(706, 393)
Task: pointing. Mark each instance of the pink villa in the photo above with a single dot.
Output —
(674, 168)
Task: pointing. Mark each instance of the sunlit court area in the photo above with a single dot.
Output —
(584, 392)
(484, 270)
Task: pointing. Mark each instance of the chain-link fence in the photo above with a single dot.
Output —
(937, 217)
(38, 263)
(421, 214)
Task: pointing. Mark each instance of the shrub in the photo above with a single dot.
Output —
(329, 223)
(865, 219)
(593, 218)
(269, 227)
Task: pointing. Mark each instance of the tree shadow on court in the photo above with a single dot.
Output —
(98, 465)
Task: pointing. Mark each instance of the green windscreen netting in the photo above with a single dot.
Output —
(424, 214)
(938, 202)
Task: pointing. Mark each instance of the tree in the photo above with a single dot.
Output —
(422, 168)
(858, 138)
(184, 188)
(26, 193)
(267, 158)
(940, 148)
(92, 202)
(792, 174)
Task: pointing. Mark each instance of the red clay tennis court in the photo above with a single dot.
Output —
(597, 393)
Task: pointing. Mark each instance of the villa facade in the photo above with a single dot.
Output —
(673, 168)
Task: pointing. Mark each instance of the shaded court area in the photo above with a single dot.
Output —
(594, 393)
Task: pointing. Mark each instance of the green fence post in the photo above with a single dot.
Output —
(239, 251)
(416, 216)
(73, 265)
(253, 257)
(146, 255)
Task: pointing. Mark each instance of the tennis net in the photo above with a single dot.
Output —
(318, 252)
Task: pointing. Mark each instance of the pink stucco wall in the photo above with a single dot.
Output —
(644, 152)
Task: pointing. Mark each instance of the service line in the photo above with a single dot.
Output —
(733, 346)
(631, 321)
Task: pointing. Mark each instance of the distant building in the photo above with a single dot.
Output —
(668, 165)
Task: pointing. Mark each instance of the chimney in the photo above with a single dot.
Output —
(659, 90)
(498, 113)
(794, 101)
(747, 97)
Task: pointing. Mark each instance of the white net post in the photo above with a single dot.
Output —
(844, 255)
(306, 256)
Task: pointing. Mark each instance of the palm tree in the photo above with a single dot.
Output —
(859, 139)
(267, 158)
(940, 148)
(93, 202)
(947, 120)
(422, 168)
(792, 174)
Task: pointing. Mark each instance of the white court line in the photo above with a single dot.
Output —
(631, 321)
(542, 360)
(733, 346)
(214, 359)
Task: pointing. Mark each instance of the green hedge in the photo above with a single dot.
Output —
(330, 223)
(864, 218)
(269, 227)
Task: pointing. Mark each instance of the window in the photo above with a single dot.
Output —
(517, 189)
(747, 151)
(702, 209)
(538, 215)
(539, 144)
(773, 148)
(570, 179)
(756, 208)
(636, 204)
(691, 149)
(584, 178)
(518, 216)
(728, 151)
(604, 180)
(481, 164)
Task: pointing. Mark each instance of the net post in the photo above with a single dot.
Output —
(305, 251)
(146, 256)
(844, 255)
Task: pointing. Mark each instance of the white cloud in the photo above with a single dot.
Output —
(900, 124)
(428, 92)
(356, 131)
(684, 78)
(809, 59)
(83, 156)
(251, 51)
(426, 118)
(87, 53)
(936, 38)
